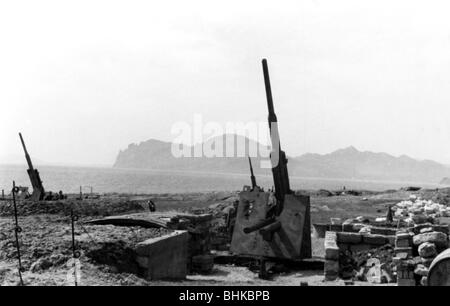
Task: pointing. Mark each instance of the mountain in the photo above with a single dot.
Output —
(354, 164)
(156, 154)
(347, 163)
(445, 181)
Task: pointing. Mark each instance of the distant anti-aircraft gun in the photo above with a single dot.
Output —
(38, 189)
(252, 175)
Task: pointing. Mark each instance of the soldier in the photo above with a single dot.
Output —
(151, 206)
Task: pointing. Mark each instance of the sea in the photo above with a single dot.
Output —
(137, 181)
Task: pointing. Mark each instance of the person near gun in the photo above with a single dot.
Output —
(151, 206)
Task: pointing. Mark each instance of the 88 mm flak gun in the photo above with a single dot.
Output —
(38, 188)
(273, 224)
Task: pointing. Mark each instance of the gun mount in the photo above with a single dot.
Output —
(38, 188)
(273, 224)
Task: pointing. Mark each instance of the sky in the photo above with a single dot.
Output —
(83, 79)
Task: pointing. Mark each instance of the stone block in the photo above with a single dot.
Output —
(404, 243)
(438, 238)
(331, 248)
(427, 249)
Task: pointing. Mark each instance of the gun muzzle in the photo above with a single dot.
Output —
(268, 230)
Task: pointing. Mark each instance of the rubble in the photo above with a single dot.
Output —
(382, 254)
(437, 238)
(427, 249)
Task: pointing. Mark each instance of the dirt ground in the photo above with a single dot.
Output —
(46, 241)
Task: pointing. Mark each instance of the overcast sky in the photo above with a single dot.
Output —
(82, 80)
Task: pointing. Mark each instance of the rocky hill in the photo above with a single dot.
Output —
(348, 163)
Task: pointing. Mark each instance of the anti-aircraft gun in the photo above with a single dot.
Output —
(38, 189)
(252, 175)
(273, 224)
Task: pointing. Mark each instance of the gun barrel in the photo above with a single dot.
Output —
(268, 230)
(272, 116)
(258, 225)
(252, 175)
(27, 156)
(278, 157)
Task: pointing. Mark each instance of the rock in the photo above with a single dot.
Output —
(427, 261)
(424, 281)
(427, 249)
(40, 264)
(438, 238)
(374, 275)
(421, 270)
(365, 230)
(420, 219)
(426, 230)
(443, 228)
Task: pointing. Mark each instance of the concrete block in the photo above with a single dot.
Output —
(331, 248)
(386, 231)
(352, 238)
(374, 239)
(391, 239)
(347, 227)
(164, 257)
(403, 243)
(336, 227)
(331, 269)
(403, 252)
(355, 248)
(403, 236)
